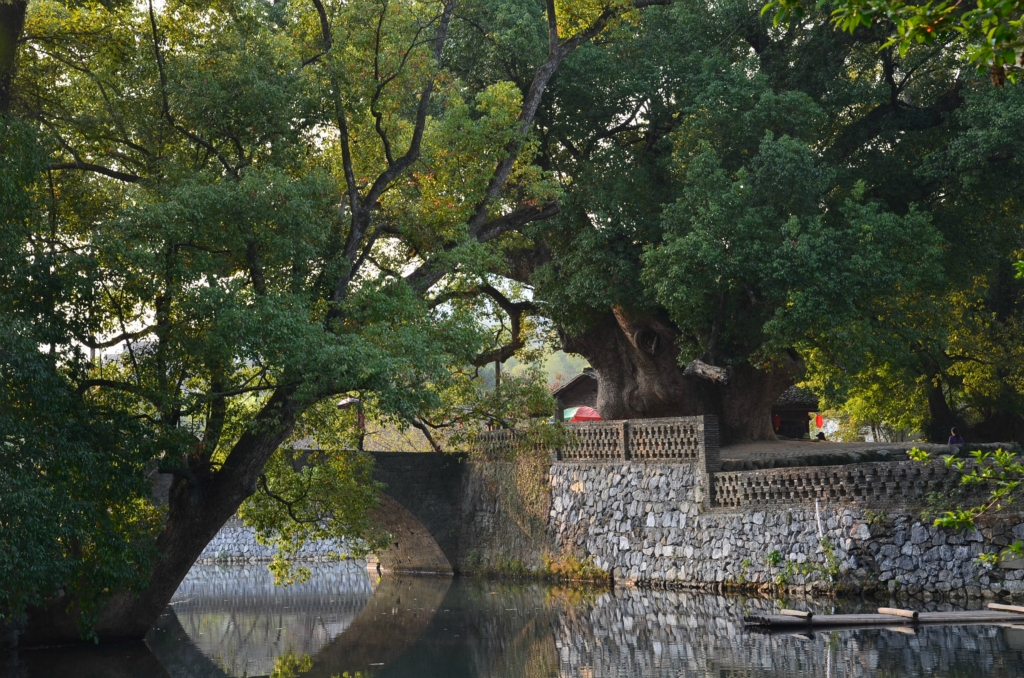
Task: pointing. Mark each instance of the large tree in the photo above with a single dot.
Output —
(747, 206)
(249, 209)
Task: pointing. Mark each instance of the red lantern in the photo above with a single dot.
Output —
(819, 421)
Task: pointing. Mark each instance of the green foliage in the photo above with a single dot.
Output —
(999, 473)
(828, 568)
(521, 405)
(271, 218)
(571, 568)
(76, 512)
(730, 240)
(774, 191)
(1011, 552)
(784, 575)
(991, 31)
(784, 227)
(291, 665)
(875, 517)
(892, 407)
(830, 563)
(325, 496)
(231, 206)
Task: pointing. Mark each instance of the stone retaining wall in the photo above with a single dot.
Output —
(651, 524)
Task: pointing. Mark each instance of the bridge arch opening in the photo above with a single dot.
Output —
(412, 547)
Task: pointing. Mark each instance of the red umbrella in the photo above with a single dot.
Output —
(582, 413)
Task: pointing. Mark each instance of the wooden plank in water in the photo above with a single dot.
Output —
(826, 620)
(867, 619)
(908, 630)
(799, 614)
(966, 616)
(1006, 608)
(898, 612)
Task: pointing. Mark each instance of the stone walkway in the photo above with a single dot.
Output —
(783, 453)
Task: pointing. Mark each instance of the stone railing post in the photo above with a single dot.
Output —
(624, 440)
(710, 461)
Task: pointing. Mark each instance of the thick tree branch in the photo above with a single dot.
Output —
(108, 383)
(895, 114)
(98, 169)
(427, 274)
(515, 310)
(252, 255)
(362, 206)
(517, 219)
(521, 263)
(420, 426)
(413, 153)
(368, 249)
(124, 336)
(701, 370)
(165, 103)
(557, 52)
(269, 429)
(480, 227)
(12, 22)
(325, 26)
(549, 8)
(327, 40)
(384, 81)
(217, 415)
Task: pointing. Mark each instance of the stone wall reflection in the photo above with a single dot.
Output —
(634, 632)
(232, 620)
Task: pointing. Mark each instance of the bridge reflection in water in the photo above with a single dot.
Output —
(234, 622)
(433, 628)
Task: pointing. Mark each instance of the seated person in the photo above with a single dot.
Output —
(954, 437)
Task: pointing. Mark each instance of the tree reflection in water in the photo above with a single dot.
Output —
(232, 621)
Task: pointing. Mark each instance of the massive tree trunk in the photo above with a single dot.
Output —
(639, 377)
(192, 523)
(198, 506)
(12, 22)
(941, 417)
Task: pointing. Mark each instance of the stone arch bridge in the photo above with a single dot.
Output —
(421, 506)
(657, 501)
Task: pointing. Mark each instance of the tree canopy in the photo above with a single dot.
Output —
(990, 33)
(222, 216)
(230, 214)
(763, 188)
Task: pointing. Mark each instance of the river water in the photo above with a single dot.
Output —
(231, 621)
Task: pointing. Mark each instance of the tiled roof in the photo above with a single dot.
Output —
(575, 380)
(795, 398)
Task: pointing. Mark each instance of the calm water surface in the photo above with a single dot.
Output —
(232, 621)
